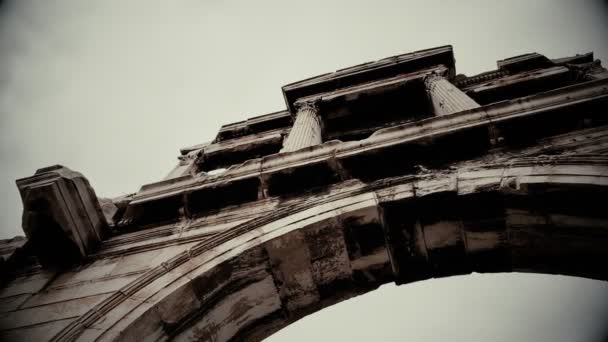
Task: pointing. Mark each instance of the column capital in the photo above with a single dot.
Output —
(445, 97)
(311, 105)
(307, 127)
(432, 77)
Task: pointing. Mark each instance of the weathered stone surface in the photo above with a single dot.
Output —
(446, 97)
(254, 302)
(27, 284)
(77, 291)
(40, 332)
(306, 130)
(377, 70)
(225, 153)
(51, 312)
(290, 257)
(62, 217)
(10, 246)
(12, 303)
(521, 84)
(409, 194)
(524, 62)
(109, 209)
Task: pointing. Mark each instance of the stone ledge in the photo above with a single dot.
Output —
(471, 124)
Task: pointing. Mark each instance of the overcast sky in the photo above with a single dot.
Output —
(113, 89)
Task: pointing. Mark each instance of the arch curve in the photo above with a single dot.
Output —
(539, 214)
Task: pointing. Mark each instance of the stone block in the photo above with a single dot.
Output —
(62, 217)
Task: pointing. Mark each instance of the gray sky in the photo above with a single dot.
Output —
(113, 89)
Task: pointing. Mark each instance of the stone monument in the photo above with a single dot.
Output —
(397, 170)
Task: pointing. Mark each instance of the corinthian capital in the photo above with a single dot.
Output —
(431, 79)
(309, 105)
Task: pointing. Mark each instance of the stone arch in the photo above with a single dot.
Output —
(533, 215)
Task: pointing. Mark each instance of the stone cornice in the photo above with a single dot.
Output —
(386, 67)
(192, 230)
(508, 80)
(276, 120)
(402, 134)
(483, 77)
(372, 86)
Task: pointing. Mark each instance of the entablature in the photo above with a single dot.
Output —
(254, 125)
(225, 153)
(524, 64)
(353, 103)
(431, 142)
(521, 84)
(369, 72)
(356, 112)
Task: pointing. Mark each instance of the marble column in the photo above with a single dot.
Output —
(446, 98)
(306, 130)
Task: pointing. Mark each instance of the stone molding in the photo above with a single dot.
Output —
(409, 132)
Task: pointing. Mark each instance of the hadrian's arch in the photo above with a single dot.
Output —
(392, 171)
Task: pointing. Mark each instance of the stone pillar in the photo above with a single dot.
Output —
(306, 130)
(446, 97)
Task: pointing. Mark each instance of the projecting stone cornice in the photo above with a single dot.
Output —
(585, 143)
(513, 114)
(254, 125)
(520, 84)
(386, 67)
(378, 86)
(224, 153)
(462, 81)
(538, 74)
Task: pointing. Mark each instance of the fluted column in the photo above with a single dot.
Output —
(306, 130)
(446, 97)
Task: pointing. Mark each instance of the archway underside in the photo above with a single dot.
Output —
(538, 214)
